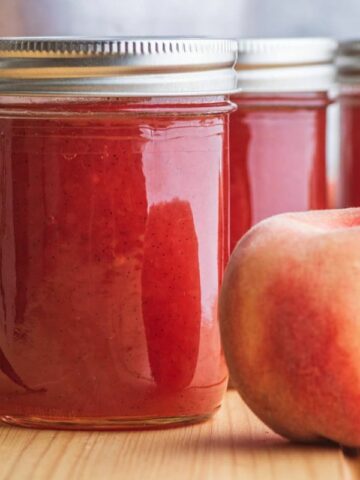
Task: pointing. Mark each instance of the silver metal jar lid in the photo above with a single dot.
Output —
(285, 64)
(348, 62)
(117, 66)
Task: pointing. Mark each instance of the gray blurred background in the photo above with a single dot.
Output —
(338, 18)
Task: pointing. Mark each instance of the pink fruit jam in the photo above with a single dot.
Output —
(348, 188)
(113, 230)
(278, 157)
(112, 252)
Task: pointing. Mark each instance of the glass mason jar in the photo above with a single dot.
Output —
(278, 132)
(348, 66)
(113, 158)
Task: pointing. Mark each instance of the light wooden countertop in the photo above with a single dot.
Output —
(234, 445)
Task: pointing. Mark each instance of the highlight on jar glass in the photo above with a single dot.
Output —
(278, 133)
(113, 159)
(348, 77)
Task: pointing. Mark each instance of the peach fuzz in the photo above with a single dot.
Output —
(290, 324)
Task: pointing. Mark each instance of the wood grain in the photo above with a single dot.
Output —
(235, 445)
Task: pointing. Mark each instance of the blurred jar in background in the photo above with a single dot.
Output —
(113, 238)
(348, 65)
(278, 133)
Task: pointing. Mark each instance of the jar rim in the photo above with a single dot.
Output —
(277, 52)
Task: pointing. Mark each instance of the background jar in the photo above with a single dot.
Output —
(348, 76)
(113, 158)
(278, 132)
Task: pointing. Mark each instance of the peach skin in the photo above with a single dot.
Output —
(290, 324)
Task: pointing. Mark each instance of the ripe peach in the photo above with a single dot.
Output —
(290, 323)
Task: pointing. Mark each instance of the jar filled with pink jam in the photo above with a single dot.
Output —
(348, 66)
(278, 132)
(113, 168)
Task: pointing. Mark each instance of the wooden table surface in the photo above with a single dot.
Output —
(234, 445)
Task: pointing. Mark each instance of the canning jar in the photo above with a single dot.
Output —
(113, 167)
(278, 132)
(348, 66)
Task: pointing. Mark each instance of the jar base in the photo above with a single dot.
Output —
(103, 423)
